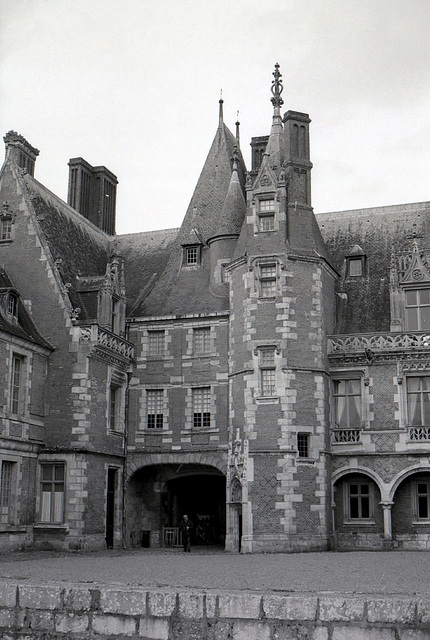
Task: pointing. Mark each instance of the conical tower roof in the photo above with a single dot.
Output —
(233, 213)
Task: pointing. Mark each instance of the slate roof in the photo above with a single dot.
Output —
(179, 290)
(78, 247)
(379, 232)
(22, 326)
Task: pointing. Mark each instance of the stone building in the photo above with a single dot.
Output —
(263, 369)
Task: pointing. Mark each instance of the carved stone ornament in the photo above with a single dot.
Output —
(414, 266)
(238, 459)
(265, 180)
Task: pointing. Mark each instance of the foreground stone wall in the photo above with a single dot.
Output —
(76, 612)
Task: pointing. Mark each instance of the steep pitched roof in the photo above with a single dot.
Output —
(379, 232)
(181, 290)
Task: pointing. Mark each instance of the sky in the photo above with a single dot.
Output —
(134, 85)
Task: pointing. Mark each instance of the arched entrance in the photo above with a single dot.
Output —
(411, 511)
(158, 496)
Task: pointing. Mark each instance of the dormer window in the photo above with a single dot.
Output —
(266, 214)
(417, 309)
(191, 256)
(355, 266)
(6, 229)
(12, 305)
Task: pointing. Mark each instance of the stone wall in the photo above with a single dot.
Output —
(78, 612)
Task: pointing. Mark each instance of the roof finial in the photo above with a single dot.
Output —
(221, 102)
(235, 159)
(277, 89)
(237, 128)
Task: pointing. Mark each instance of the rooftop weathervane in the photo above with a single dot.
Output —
(277, 87)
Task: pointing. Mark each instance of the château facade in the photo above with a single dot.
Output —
(261, 368)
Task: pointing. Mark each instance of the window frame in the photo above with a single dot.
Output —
(349, 519)
(268, 280)
(155, 399)
(51, 505)
(6, 228)
(420, 393)
(116, 390)
(417, 495)
(191, 255)
(418, 307)
(303, 452)
(156, 347)
(202, 336)
(267, 371)
(7, 491)
(17, 387)
(201, 418)
(336, 379)
(355, 260)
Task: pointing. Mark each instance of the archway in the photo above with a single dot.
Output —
(357, 513)
(411, 511)
(158, 495)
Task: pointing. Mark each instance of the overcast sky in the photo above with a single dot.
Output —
(134, 85)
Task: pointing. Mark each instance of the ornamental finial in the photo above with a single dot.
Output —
(277, 87)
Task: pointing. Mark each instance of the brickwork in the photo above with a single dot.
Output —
(68, 612)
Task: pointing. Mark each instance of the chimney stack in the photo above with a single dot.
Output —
(92, 192)
(19, 151)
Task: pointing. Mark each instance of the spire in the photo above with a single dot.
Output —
(221, 115)
(237, 129)
(274, 145)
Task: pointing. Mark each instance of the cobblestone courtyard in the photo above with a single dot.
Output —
(405, 573)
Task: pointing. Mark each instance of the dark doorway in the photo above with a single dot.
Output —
(202, 498)
(110, 507)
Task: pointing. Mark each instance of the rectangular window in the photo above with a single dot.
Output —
(267, 372)
(12, 305)
(156, 341)
(359, 501)
(418, 400)
(417, 308)
(201, 407)
(115, 316)
(191, 256)
(303, 445)
(16, 391)
(202, 340)
(355, 267)
(268, 204)
(6, 491)
(114, 405)
(423, 500)
(155, 409)
(6, 229)
(268, 281)
(347, 397)
(266, 223)
(52, 493)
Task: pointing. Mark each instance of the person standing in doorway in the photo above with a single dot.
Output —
(186, 527)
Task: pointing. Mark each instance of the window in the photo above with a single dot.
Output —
(417, 309)
(303, 445)
(268, 281)
(155, 409)
(6, 491)
(418, 400)
(423, 500)
(347, 397)
(52, 493)
(6, 229)
(267, 372)
(114, 402)
(359, 503)
(192, 256)
(156, 343)
(115, 318)
(201, 407)
(266, 215)
(12, 305)
(16, 386)
(355, 267)
(202, 340)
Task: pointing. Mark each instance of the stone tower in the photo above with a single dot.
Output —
(281, 310)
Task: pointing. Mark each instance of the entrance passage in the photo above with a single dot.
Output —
(159, 495)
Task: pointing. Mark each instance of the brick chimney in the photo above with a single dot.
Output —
(92, 192)
(19, 151)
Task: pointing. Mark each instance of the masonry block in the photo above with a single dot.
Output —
(39, 620)
(414, 634)
(191, 605)
(71, 623)
(77, 599)
(7, 619)
(250, 630)
(161, 604)
(335, 608)
(290, 607)
(7, 595)
(123, 601)
(113, 625)
(362, 633)
(153, 629)
(189, 629)
(39, 597)
(394, 610)
(239, 605)
(219, 630)
(211, 602)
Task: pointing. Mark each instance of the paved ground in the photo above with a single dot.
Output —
(397, 572)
